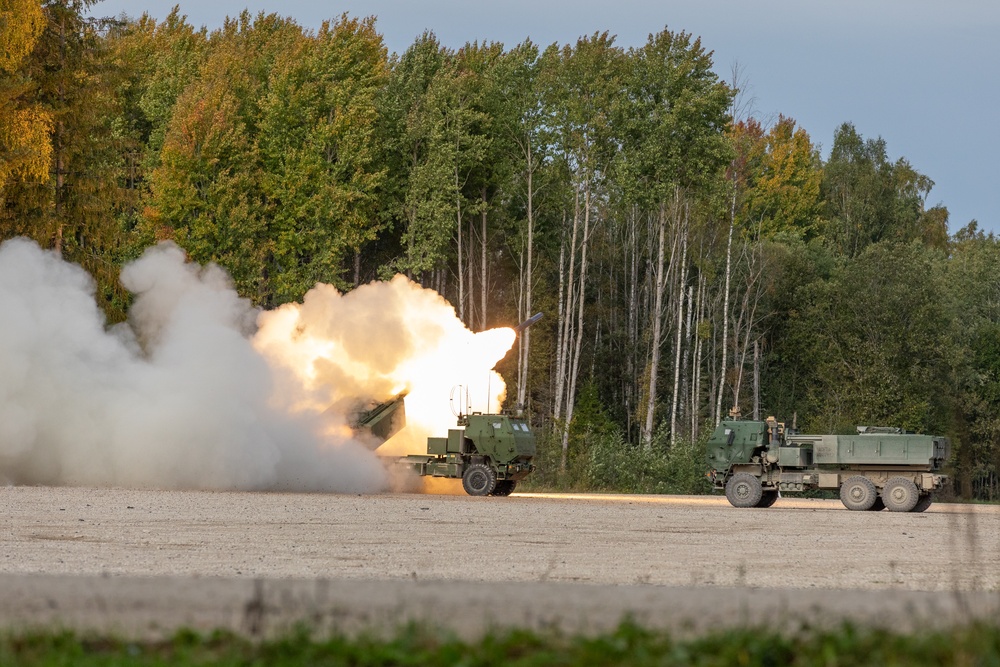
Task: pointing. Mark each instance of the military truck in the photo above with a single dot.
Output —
(490, 453)
(877, 468)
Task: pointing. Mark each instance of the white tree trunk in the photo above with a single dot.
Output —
(725, 311)
(633, 397)
(470, 309)
(682, 279)
(657, 338)
(756, 381)
(524, 340)
(482, 268)
(746, 322)
(683, 409)
(566, 296)
(699, 346)
(575, 370)
(461, 272)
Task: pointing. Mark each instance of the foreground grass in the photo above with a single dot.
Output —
(973, 645)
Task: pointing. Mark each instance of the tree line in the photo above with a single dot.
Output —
(691, 259)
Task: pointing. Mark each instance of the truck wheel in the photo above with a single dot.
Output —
(878, 505)
(924, 502)
(768, 498)
(479, 480)
(858, 493)
(743, 490)
(900, 494)
(504, 487)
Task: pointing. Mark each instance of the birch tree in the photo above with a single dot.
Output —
(673, 144)
(581, 83)
(519, 119)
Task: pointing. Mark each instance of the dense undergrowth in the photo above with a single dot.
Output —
(972, 645)
(603, 461)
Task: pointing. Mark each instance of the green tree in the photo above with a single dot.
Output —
(209, 191)
(484, 67)
(317, 148)
(579, 84)
(875, 341)
(422, 223)
(870, 199)
(784, 194)
(157, 62)
(521, 148)
(973, 294)
(674, 116)
(435, 100)
(162, 59)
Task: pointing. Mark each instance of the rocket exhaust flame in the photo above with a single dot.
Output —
(200, 390)
(374, 343)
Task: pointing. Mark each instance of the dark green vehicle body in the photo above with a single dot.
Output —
(490, 454)
(876, 468)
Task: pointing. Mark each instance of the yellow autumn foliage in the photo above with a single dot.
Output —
(21, 23)
(25, 149)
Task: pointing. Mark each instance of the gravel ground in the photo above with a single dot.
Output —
(141, 561)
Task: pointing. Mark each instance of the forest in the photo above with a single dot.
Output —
(689, 257)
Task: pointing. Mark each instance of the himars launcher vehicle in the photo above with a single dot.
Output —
(876, 469)
(490, 453)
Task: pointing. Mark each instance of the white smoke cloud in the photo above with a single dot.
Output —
(178, 398)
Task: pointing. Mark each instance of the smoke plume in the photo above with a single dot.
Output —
(189, 394)
(333, 351)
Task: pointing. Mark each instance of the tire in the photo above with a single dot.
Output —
(925, 501)
(858, 493)
(504, 487)
(743, 490)
(900, 494)
(479, 479)
(878, 505)
(767, 499)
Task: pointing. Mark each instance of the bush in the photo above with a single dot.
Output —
(605, 462)
(616, 465)
(598, 458)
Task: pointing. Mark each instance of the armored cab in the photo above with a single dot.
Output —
(735, 442)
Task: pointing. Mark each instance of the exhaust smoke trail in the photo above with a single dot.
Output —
(189, 394)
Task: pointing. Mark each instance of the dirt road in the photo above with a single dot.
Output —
(153, 560)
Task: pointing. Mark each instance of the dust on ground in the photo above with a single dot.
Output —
(254, 562)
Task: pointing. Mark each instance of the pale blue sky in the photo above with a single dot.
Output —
(922, 74)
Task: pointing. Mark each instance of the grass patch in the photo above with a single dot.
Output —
(975, 644)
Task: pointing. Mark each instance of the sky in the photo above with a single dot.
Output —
(921, 74)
